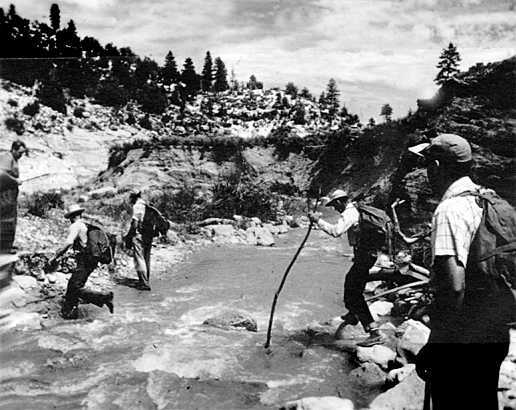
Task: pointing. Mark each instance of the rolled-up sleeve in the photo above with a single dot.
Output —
(347, 219)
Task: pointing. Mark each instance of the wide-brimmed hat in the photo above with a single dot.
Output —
(337, 194)
(73, 210)
(450, 148)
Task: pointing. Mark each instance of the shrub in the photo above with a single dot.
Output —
(144, 122)
(78, 112)
(110, 92)
(31, 109)
(39, 203)
(12, 103)
(14, 124)
(51, 95)
(131, 120)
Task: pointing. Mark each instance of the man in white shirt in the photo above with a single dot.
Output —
(77, 239)
(357, 276)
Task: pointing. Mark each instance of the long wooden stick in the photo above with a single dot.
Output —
(406, 286)
(275, 300)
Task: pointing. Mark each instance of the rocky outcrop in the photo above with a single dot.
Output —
(232, 320)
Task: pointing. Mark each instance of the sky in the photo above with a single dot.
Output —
(378, 51)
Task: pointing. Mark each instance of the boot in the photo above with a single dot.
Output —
(374, 338)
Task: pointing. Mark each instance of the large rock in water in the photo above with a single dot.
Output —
(368, 375)
(414, 337)
(408, 395)
(232, 319)
(378, 354)
(25, 282)
(259, 236)
(319, 403)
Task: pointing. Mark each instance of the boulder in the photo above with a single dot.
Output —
(408, 395)
(368, 374)
(380, 308)
(283, 228)
(259, 236)
(25, 282)
(378, 354)
(396, 376)
(173, 237)
(370, 287)
(231, 319)
(414, 337)
(319, 403)
(104, 192)
(21, 320)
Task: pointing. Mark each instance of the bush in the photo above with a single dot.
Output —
(14, 124)
(12, 103)
(51, 94)
(131, 120)
(144, 122)
(31, 109)
(110, 92)
(39, 203)
(78, 112)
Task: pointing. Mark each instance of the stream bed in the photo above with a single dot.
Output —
(155, 352)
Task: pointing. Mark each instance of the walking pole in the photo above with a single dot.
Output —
(275, 300)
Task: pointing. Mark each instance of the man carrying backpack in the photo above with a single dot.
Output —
(139, 238)
(86, 263)
(365, 249)
(473, 251)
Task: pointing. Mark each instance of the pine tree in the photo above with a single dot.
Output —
(190, 78)
(169, 72)
(291, 89)
(299, 114)
(305, 93)
(332, 98)
(386, 111)
(221, 81)
(254, 84)
(448, 65)
(207, 73)
(371, 122)
(55, 17)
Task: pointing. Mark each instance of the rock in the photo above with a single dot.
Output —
(319, 403)
(25, 282)
(173, 237)
(51, 278)
(368, 374)
(378, 354)
(302, 221)
(414, 337)
(256, 221)
(259, 236)
(271, 228)
(408, 395)
(283, 228)
(507, 375)
(396, 376)
(380, 308)
(11, 294)
(21, 320)
(372, 286)
(231, 319)
(104, 192)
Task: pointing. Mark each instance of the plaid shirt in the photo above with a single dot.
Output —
(455, 221)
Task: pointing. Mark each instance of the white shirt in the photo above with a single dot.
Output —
(348, 222)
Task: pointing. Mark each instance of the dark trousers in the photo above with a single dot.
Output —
(142, 253)
(8, 218)
(465, 375)
(76, 289)
(354, 286)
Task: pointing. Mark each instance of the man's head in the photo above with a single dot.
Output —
(18, 148)
(448, 157)
(74, 212)
(134, 194)
(338, 199)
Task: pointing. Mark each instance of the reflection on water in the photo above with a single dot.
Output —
(155, 352)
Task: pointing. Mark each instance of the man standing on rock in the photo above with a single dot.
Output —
(364, 259)
(139, 239)
(77, 239)
(469, 319)
(9, 182)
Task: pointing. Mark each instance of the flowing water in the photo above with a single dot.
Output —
(154, 352)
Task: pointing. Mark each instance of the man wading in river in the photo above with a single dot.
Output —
(139, 239)
(86, 264)
(364, 258)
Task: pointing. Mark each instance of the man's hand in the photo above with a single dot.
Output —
(314, 216)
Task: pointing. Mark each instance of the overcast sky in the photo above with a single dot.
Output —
(378, 50)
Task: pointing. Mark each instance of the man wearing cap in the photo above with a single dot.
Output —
(357, 276)
(139, 239)
(469, 338)
(9, 182)
(77, 239)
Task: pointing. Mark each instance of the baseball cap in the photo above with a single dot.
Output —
(446, 147)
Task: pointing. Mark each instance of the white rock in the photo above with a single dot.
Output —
(222, 230)
(370, 287)
(104, 192)
(378, 354)
(414, 337)
(380, 308)
(259, 236)
(408, 395)
(51, 278)
(319, 403)
(398, 375)
(22, 320)
(25, 282)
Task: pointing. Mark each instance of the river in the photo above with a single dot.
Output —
(154, 352)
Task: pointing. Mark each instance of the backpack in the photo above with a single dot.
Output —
(492, 254)
(154, 223)
(100, 245)
(375, 229)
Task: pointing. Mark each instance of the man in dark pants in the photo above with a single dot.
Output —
(86, 264)
(469, 336)
(139, 239)
(364, 259)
